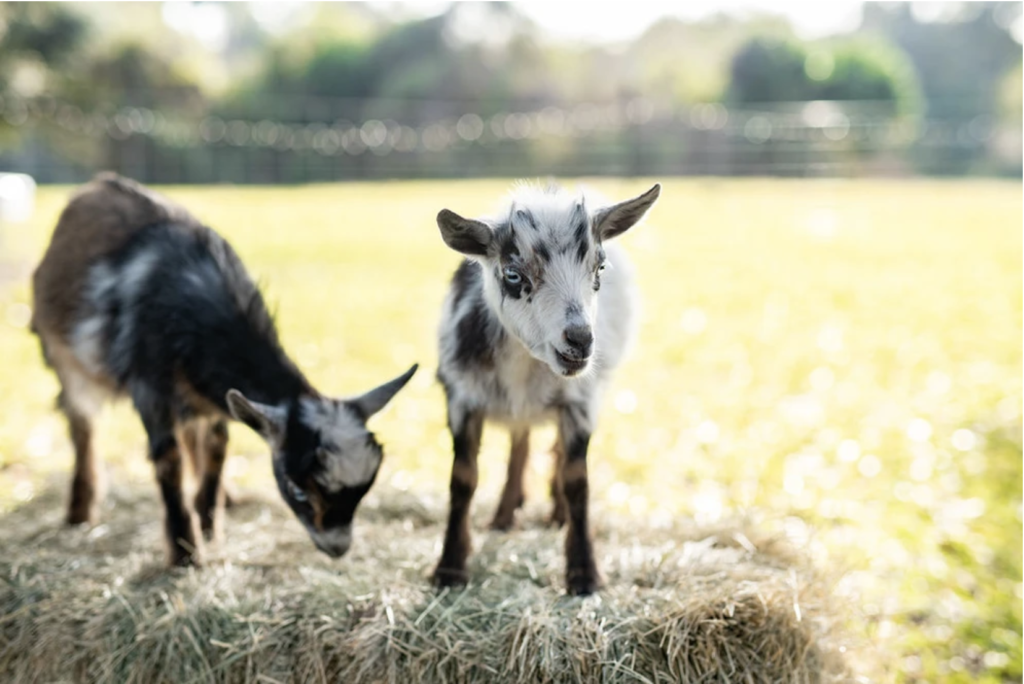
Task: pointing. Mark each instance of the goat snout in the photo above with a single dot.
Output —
(580, 340)
(335, 543)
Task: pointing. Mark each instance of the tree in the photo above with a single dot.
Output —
(46, 33)
(770, 70)
(961, 57)
(778, 70)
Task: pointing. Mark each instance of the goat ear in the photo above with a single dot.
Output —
(267, 420)
(374, 400)
(618, 218)
(464, 235)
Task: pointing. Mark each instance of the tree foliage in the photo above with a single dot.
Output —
(770, 70)
(45, 36)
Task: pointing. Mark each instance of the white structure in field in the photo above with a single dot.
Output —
(17, 197)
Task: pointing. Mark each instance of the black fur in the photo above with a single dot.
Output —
(302, 444)
(579, 235)
(476, 331)
(576, 449)
(516, 290)
(463, 235)
(466, 276)
(451, 568)
(192, 322)
(579, 216)
(541, 250)
(508, 249)
(581, 251)
(581, 573)
(597, 273)
(467, 244)
(197, 317)
(343, 510)
(528, 218)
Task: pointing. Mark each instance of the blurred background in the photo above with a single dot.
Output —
(832, 321)
(198, 92)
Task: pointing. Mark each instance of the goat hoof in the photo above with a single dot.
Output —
(184, 559)
(556, 520)
(503, 522)
(77, 517)
(582, 586)
(450, 577)
(210, 533)
(209, 524)
(185, 553)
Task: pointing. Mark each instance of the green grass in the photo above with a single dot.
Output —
(840, 360)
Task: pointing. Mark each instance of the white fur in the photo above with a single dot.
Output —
(87, 337)
(87, 343)
(526, 379)
(134, 273)
(82, 394)
(348, 461)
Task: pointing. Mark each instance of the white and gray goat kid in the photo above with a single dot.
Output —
(536, 318)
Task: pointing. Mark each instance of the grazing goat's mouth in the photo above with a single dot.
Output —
(335, 543)
(332, 551)
(570, 365)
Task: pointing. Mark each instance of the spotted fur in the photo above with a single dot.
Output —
(536, 319)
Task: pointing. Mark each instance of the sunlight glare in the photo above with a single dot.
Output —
(848, 451)
(964, 440)
(869, 466)
(919, 430)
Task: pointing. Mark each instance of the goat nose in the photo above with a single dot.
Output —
(580, 339)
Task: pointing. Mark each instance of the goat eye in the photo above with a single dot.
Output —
(297, 493)
(512, 276)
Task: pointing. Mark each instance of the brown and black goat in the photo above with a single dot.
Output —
(136, 298)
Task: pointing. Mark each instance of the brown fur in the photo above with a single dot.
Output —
(512, 494)
(316, 502)
(559, 508)
(573, 471)
(188, 396)
(180, 523)
(85, 482)
(100, 218)
(205, 440)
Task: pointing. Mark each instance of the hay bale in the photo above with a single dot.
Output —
(683, 604)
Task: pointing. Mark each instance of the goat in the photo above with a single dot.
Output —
(134, 297)
(536, 318)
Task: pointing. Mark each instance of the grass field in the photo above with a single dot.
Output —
(836, 360)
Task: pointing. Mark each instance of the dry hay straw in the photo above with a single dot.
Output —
(682, 604)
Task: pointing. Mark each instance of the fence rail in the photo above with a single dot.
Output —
(59, 142)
